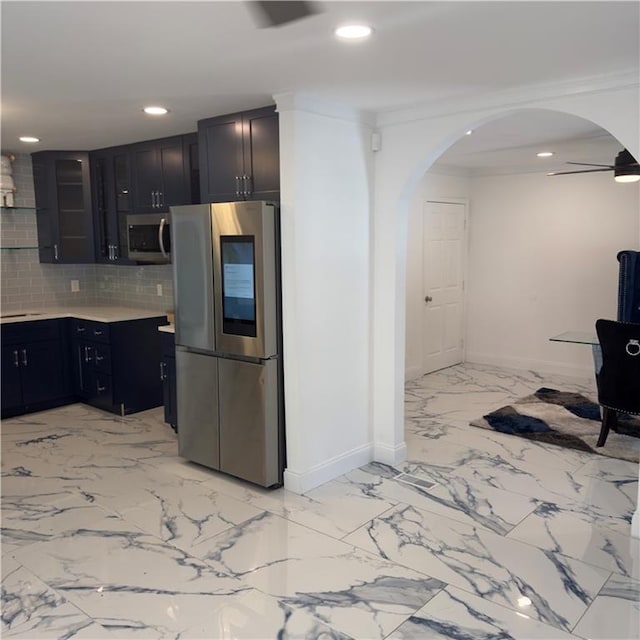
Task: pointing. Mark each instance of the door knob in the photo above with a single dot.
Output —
(428, 299)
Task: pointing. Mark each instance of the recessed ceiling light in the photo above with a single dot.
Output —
(353, 31)
(29, 139)
(468, 132)
(155, 111)
(545, 154)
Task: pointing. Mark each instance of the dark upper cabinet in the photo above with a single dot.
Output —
(112, 200)
(192, 166)
(159, 177)
(62, 188)
(239, 156)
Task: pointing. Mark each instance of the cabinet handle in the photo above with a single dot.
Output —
(99, 388)
(246, 181)
(160, 199)
(162, 376)
(16, 363)
(25, 362)
(99, 358)
(97, 332)
(80, 329)
(115, 251)
(87, 357)
(55, 252)
(237, 185)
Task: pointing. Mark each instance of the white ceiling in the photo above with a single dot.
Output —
(77, 74)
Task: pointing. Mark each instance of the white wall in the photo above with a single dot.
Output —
(542, 260)
(433, 186)
(326, 177)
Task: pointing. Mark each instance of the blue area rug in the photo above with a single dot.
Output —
(567, 420)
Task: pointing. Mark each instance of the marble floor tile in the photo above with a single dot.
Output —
(107, 533)
(135, 584)
(557, 531)
(491, 566)
(614, 614)
(354, 592)
(454, 613)
(450, 496)
(187, 513)
(31, 608)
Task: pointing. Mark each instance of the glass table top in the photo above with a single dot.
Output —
(576, 337)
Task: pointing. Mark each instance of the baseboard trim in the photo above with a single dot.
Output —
(411, 373)
(390, 455)
(539, 366)
(301, 482)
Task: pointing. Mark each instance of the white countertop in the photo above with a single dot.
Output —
(167, 328)
(96, 313)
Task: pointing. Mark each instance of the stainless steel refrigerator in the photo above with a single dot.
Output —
(228, 332)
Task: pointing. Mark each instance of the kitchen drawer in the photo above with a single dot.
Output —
(90, 330)
(102, 358)
(102, 395)
(31, 331)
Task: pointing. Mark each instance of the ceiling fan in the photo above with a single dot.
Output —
(272, 13)
(625, 168)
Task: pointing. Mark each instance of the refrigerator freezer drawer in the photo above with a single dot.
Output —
(250, 440)
(197, 382)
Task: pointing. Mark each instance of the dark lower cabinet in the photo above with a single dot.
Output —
(115, 365)
(168, 376)
(35, 366)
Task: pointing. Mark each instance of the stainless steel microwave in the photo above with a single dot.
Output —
(148, 238)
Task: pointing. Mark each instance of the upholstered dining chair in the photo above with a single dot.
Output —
(619, 378)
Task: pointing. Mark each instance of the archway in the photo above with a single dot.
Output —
(519, 215)
(411, 146)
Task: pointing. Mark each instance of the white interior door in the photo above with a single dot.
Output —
(444, 248)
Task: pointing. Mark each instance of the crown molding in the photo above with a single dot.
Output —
(513, 97)
(312, 104)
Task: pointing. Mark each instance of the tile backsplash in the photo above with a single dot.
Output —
(25, 283)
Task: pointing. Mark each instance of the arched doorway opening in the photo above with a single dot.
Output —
(537, 254)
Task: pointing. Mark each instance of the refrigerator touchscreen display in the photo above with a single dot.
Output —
(238, 285)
